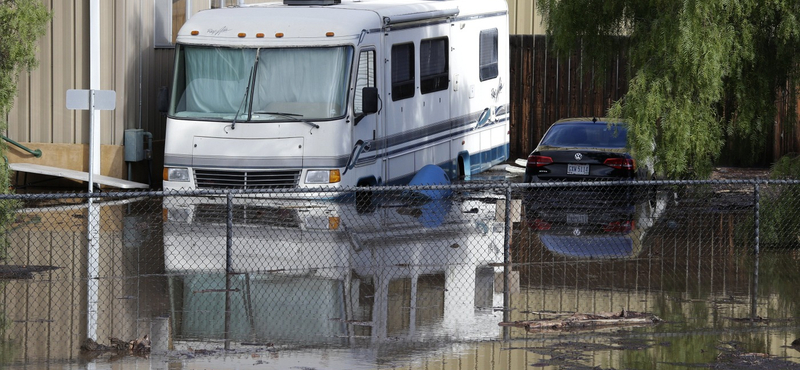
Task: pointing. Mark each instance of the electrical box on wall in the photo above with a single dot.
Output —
(135, 150)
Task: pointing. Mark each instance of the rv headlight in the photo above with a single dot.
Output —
(323, 177)
(177, 174)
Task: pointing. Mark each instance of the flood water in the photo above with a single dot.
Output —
(402, 284)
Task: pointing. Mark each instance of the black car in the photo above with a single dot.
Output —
(578, 149)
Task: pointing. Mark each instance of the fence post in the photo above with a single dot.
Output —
(507, 262)
(756, 250)
(93, 267)
(757, 217)
(228, 266)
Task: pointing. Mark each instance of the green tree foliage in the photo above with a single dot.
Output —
(21, 23)
(702, 71)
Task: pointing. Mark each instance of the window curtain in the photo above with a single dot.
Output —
(312, 76)
(216, 78)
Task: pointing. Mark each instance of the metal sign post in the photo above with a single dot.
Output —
(92, 100)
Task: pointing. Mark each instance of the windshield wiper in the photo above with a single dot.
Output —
(250, 81)
(292, 116)
(244, 99)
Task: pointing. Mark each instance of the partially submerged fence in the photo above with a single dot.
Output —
(367, 265)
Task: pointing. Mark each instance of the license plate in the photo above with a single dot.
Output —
(577, 219)
(577, 169)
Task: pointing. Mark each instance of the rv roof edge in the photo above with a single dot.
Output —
(413, 17)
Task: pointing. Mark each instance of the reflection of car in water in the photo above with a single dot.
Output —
(596, 223)
(322, 271)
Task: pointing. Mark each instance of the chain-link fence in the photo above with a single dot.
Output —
(331, 268)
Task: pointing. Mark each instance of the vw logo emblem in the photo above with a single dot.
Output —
(578, 156)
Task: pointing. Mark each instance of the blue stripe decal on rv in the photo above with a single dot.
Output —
(451, 136)
(468, 122)
(492, 156)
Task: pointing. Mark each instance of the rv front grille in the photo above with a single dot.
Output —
(211, 179)
(247, 215)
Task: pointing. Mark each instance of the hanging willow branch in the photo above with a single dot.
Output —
(701, 71)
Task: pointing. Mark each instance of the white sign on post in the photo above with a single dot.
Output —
(82, 99)
(92, 100)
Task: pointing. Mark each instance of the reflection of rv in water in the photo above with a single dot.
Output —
(409, 269)
(337, 93)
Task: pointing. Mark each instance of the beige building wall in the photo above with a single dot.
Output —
(129, 65)
(523, 18)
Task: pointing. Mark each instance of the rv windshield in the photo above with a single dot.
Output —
(214, 83)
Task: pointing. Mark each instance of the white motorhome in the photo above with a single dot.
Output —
(337, 93)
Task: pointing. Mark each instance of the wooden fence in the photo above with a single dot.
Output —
(545, 88)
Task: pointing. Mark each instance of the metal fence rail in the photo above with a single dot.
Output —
(358, 266)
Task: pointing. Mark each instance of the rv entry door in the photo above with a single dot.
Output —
(366, 150)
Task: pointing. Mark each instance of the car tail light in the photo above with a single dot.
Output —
(620, 226)
(539, 160)
(619, 163)
(539, 225)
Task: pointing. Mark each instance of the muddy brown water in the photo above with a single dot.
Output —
(434, 306)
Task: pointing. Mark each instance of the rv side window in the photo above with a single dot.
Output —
(488, 54)
(433, 65)
(402, 71)
(366, 78)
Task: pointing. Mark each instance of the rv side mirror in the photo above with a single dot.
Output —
(369, 100)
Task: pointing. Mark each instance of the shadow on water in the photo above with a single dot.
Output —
(410, 283)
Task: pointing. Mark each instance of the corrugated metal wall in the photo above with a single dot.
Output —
(130, 66)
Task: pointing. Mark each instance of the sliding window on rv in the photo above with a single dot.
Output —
(271, 84)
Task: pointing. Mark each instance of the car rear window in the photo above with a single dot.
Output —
(587, 134)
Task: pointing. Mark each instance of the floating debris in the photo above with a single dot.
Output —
(201, 351)
(758, 320)
(588, 321)
(133, 346)
(749, 319)
(90, 345)
(15, 272)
